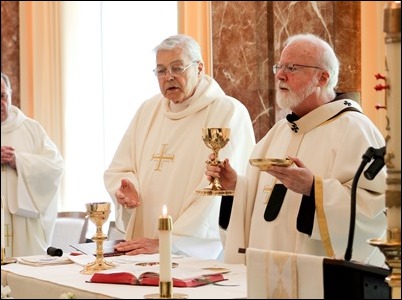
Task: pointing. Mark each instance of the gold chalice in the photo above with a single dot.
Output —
(98, 214)
(215, 139)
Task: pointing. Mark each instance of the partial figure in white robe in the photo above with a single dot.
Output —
(305, 208)
(161, 158)
(31, 174)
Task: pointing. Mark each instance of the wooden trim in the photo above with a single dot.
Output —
(194, 19)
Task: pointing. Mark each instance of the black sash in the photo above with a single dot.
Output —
(305, 217)
(275, 202)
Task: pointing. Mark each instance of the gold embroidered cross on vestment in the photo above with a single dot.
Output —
(161, 157)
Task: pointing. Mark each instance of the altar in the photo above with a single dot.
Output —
(50, 281)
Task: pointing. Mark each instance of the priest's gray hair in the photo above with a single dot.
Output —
(6, 80)
(189, 46)
(325, 55)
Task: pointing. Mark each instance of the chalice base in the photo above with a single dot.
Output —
(215, 189)
(159, 296)
(96, 266)
(6, 260)
(207, 192)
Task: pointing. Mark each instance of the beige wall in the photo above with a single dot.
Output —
(195, 20)
(373, 60)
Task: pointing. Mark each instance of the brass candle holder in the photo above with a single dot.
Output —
(166, 292)
(391, 248)
(98, 214)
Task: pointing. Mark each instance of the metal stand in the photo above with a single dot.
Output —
(392, 252)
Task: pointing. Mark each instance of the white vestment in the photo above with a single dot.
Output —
(331, 145)
(163, 154)
(30, 190)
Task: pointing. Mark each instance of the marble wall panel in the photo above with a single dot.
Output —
(336, 22)
(240, 33)
(248, 37)
(10, 47)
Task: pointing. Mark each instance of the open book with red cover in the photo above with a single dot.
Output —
(152, 278)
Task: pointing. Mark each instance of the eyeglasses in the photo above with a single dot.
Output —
(290, 68)
(175, 70)
(4, 96)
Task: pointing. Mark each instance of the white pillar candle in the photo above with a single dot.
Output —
(165, 247)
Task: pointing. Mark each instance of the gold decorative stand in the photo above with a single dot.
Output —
(4, 259)
(391, 248)
(215, 139)
(98, 214)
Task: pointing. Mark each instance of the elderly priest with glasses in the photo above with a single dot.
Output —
(304, 208)
(290, 213)
(161, 158)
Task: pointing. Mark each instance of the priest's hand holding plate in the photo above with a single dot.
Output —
(265, 164)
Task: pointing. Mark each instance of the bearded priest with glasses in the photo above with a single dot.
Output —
(304, 207)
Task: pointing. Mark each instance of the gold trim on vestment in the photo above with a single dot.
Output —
(322, 220)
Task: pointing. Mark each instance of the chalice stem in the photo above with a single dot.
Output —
(217, 185)
(99, 237)
(216, 157)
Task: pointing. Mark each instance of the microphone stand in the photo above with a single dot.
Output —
(345, 279)
(370, 173)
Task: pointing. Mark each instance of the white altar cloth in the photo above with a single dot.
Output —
(49, 282)
(283, 275)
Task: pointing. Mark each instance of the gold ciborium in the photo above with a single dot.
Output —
(98, 214)
(215, 139)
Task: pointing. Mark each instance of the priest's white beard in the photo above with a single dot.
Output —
(291, 99)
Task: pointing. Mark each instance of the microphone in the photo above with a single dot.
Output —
(370, 174)
(377, 164)
(53, 251)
